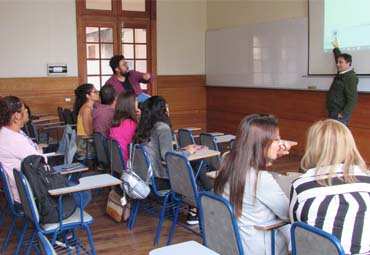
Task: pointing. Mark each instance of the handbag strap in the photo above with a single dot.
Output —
(131, 161)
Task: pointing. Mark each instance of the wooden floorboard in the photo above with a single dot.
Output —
(113, 238)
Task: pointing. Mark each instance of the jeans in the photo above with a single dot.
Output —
(85, 196)
(334, 115)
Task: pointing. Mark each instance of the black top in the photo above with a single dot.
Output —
(127, 87)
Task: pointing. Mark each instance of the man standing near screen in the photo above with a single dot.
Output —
(342, 95)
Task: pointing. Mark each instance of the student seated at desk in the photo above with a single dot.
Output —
(125, 121)
(86, 96)
(334, 193)
(15, 145)
(254, 193)
(155, 133)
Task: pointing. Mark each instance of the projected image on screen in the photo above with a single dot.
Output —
(348, 22)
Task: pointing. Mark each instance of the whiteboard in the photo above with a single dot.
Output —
(266, 55)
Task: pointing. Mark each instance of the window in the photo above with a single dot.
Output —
(109, 27)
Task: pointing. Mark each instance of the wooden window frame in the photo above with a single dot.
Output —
(114, 18)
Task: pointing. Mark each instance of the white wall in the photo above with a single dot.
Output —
(35, 33)
(181, 27)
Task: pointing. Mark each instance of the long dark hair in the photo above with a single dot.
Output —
(8, 106)
(80, 93)
(125, 108)
(255, 135)
(154, 110)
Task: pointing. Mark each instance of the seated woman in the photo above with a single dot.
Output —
(155, 133)
(333, 194)
(254, 193)
(86, 96)
(15, 145)
(125, 121)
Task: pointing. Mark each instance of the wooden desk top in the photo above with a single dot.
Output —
(45, 119)
(80, 168)
(207, 153)
(88, 183)
(224, 138)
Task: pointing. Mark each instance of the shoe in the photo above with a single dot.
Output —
(192, 218)
(63, 245)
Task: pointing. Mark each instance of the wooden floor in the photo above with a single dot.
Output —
(115, 238)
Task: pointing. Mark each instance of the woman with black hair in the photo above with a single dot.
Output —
(15, 145)
(86, 96)
(155, 133)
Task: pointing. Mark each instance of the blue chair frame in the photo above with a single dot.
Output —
(17, 213)
(212, 146)
(46, 247)
(117, 163)
(156, 192)
(28, 205)
(105, 162)
(185, 132)
(230, 209)
(179, 199)
(317, 231)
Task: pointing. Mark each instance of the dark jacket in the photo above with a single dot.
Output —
(342, 95)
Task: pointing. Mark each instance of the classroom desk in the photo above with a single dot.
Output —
(188, 128)
(202, 154)
(77, 169)
(88, 183)
(184, 248)
(45, 119)
(224, 138)
(39, 114)
(216, 133)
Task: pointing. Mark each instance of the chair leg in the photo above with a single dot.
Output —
(174, 223)
(31, 242)
(161, 217)
(134, 212)
(91, 241)
(21, 237)
(6, 241)
(273, 241)
(3, 213)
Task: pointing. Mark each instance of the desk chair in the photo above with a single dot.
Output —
(221, 232)
(117, 162)
(309, 240)
(79, 219)
(102, 154)
(185, 137)
(45, 245)
(183, 188)
(142, 167)
(60, 114)
(16, 213)
(208, 140)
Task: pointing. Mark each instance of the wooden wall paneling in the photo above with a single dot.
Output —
(41, 94)
(186, 97)
(296, 110)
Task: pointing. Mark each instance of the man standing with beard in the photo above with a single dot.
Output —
(125, 80)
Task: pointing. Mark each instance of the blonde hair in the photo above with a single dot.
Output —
(330, 143)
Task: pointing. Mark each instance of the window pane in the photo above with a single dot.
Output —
(93, 67)
(105, 68)
(92, 34)
(106, 50)
(141, 66)
(104, 79)
(128, 50)
(127, 35)
(140, 51)
(99, 4)
(130, 64)
(140, 35)
(92, 50)
(94, 80)
(133, 5)
(106, 34)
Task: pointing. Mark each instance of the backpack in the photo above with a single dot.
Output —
(42, 178)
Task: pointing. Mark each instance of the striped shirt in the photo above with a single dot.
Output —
(340, 209)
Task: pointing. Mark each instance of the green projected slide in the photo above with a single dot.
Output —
(348, 21)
